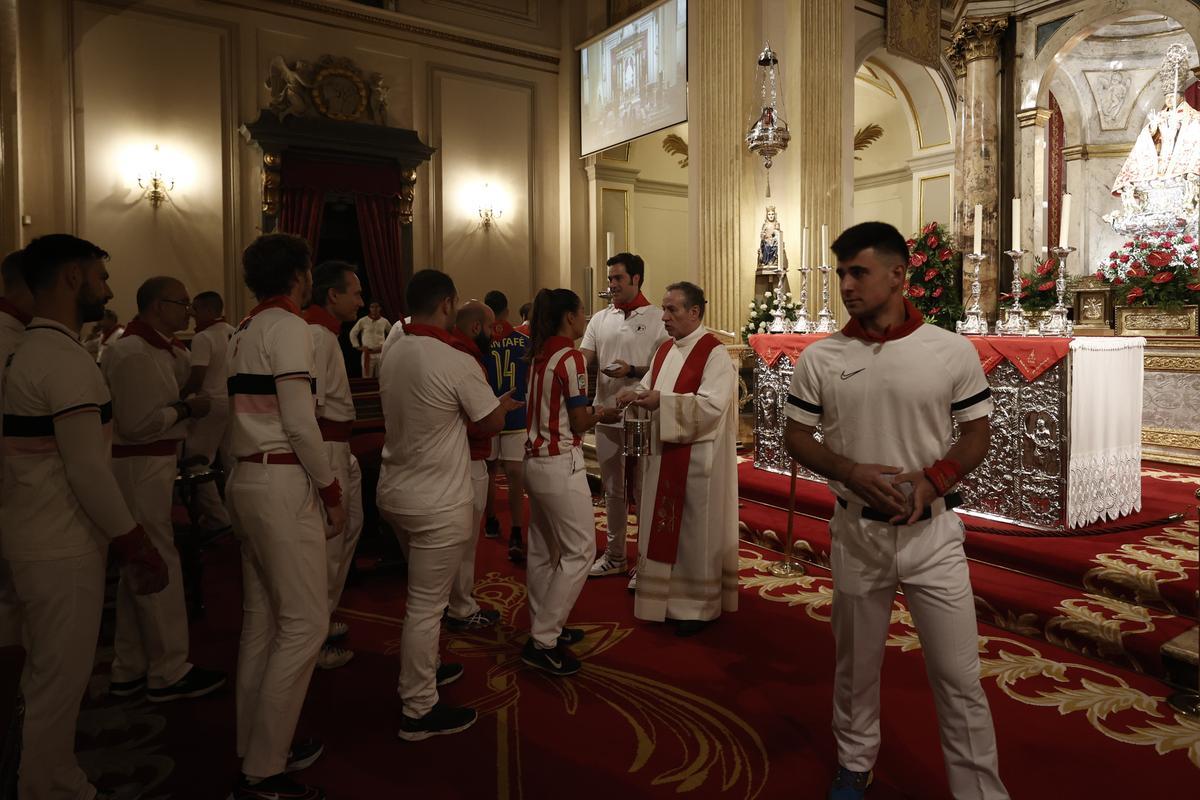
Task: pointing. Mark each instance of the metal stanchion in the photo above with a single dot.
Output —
(790, 566)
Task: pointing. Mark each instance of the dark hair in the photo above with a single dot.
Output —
(634, 265)
(549, 308)
(426, 290)
(272, 261)
(496, 301)
(45, 256)
(110, 314)
(693, 295)
(10, 272)
(525, 307)
(329, 275)
(879, 236)
(152, 289)
(210, 300)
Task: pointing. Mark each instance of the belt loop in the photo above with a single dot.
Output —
(264, 458)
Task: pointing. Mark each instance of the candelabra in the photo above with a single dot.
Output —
(974, 321)
(1056, 322)
(825, 315)
(1016, 324)
(779, 324)
(802, 324)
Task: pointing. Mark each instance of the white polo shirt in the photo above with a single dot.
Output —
(143, 382)
(334, 398)
(210, 349)
(890, 402)
(633, 340)
(370, 333)
(429, 390)
(51, 376)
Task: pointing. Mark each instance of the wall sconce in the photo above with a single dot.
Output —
(153, 177)
(489, 209)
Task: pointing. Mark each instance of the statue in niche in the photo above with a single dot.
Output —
(290, 90)
(379, 98)
(770, 244)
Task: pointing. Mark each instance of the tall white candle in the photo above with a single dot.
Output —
(824, 245)
(1016, 223)
(804, 254)
(1042, 225)
(610, 245)
(1064, 224)
(978, 229)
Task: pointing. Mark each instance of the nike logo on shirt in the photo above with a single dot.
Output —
(848, 375)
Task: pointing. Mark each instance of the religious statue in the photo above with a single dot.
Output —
(288, 87)
(379, 98)
(771, 257)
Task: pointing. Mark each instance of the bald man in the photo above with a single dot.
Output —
(144, 370)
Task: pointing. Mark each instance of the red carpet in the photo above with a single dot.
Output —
(740, 711)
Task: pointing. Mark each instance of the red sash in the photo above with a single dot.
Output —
(676, 456)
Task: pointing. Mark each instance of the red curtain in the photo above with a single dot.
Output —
(1192, 95)
(300, 211)
(1056, 173)
(379, 229)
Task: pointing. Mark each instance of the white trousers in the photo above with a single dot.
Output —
(609, 440)
(434, 546)
(340, 549)
(869, 559)
(61, 601)
(204, 439)
(151, 638)
(285, 606)
(562, 536)
(462, 603)
(370, 364)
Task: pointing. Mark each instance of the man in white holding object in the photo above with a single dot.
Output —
(368, 336)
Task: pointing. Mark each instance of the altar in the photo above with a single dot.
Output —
(1066, 429)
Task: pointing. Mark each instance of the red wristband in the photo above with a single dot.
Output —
(943, 474)
(331, 495)
(127, 544)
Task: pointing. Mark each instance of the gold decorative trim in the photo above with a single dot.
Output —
(979, 37)
(921, 219)
(1075, 152)
(1171, 363)
(1033, 116)
(1168, 437)
(872, 79)
(1151, 321)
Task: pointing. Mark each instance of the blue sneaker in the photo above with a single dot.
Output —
(849, 785)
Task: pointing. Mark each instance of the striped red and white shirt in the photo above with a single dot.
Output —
(557, 383)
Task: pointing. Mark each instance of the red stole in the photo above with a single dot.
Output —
(667, 515)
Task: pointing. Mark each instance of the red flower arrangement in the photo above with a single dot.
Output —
(1159, 267)
(932, 285)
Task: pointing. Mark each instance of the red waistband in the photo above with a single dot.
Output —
(163, 447)
(271, 458)
(333, 430)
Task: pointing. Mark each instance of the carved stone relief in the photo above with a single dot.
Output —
(1115, 93)
(332, 87)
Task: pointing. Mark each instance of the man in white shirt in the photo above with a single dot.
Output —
(887, 391)
(280, 482)
(620, 340)
(368, 335)
(151, 640)
(430, 391)
(16, 311)
(336, 298)
(393, 336)
(61, 507)
(208, 376)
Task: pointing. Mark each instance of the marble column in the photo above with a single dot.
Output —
(979, 40)
(955, 56)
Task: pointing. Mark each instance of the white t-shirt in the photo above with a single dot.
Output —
(889, 402)
(427, 388)
(51, 375)
(633, 340)
(370, 333)
(210, 349)
(334, 399)
(142, 381)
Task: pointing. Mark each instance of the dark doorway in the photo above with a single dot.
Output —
(339, 241)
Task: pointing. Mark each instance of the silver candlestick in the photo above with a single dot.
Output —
(802, 324)
(974, 321)
(1056, 322)
(778, 323)
(825, 322)
(1016, 324)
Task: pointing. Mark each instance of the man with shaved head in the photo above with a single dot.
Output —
(145, 369)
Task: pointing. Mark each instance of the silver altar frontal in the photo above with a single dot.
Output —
(1059, 459)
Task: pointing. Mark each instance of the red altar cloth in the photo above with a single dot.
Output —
(1031, 355)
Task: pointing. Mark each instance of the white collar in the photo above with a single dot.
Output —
(691, 338)
(42, 322)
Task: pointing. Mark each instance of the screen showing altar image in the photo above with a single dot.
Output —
(634, 78)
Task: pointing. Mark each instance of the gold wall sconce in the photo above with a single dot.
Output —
(489, 207)
(154, 178)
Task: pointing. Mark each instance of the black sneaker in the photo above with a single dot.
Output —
(442, 720)
(127, 688)
(303, 754)
(276, 787)
(197, 683)
(558, 661)
(483, 618)
(449, 673)
(516, 548)
(491, 528)
(570, 636)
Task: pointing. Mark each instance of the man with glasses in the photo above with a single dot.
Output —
(143, 370)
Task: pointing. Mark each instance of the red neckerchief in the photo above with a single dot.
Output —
(137, 327)
(209, 324)
(523, 328)
(553, 345)
(14, 312)
(318, 315)
(912, 321)
(463, 343)
(104, 337)
(278, 301)
(638, 302)
(501, 329)
(421, 329)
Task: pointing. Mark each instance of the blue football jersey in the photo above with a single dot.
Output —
(508, 370)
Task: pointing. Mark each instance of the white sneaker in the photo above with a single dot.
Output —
(607, 565)
(337, 630)
(332, 657)
(632, 585)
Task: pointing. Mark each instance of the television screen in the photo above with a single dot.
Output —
(634, 78)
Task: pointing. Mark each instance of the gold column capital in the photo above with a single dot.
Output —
(954, 54)
(979, 37)
(1033, 116)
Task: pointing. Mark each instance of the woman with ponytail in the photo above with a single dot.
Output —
(562, 529)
